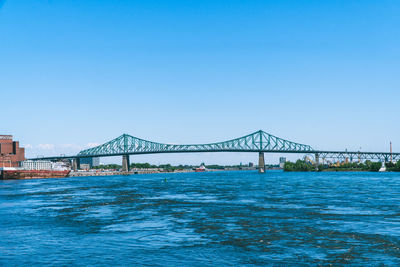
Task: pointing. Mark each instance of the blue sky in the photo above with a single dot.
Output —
(78, 73)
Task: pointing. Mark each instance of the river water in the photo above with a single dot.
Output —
(202, 219)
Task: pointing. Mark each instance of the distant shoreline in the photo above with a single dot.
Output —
(112, 173)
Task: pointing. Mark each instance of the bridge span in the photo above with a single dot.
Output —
(260, 142)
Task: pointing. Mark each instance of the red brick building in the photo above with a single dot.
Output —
(10, 152)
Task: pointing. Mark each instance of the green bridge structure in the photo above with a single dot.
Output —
(259, 142)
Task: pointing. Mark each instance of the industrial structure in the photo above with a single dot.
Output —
(259, 142)
(10, 153)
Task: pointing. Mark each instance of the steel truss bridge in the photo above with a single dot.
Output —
(259, 141)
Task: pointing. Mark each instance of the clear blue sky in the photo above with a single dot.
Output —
(324, 73)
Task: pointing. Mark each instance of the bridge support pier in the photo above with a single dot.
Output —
(261, 162)
(317, 162)
(125, 163)
(76, 164)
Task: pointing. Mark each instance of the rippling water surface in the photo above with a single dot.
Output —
(214, 219)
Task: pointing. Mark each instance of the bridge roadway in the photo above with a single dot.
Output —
(260, 142)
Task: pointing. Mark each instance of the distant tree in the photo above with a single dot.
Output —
(389, 165)
(299, 165)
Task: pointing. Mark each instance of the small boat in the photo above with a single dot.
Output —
(202, 168)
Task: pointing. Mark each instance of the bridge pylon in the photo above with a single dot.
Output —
(261, 162)
(125, 163)
(76, 164)
(316, 161)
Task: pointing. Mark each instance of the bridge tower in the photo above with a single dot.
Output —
(125, 163)
(261, 162)
(76, 164)
(316, 161)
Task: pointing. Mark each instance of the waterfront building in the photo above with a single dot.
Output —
(95, 162)
(44, 165)
(10, 153)
(90, 162)
(282, 161)
(36, 165)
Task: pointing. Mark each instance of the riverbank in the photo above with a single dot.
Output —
(112, 173)
(367, 166)
(94, 172)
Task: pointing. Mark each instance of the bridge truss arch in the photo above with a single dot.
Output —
(259, 141)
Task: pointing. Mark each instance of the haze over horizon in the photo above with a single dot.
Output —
(77, 74)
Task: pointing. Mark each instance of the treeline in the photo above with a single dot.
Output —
(167, 167)
(355, 166)
(303, 166)
(141, 166)
(390, 166)
(108, 167)
(298, 166)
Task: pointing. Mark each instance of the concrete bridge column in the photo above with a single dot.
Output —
(261, 162)
(125, 163)
(316, 161)
(76, 164)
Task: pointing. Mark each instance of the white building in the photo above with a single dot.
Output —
(36, 165)
(43, 165)
(282, 161)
